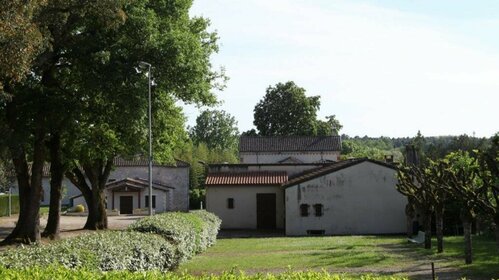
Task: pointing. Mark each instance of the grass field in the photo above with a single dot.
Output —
(349, 254)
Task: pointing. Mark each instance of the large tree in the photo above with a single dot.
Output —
(85, 99)
(179, 48)
(286, 110)
(217, 129)
(21, 39)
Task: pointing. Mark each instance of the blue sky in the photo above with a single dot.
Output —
(382, 67)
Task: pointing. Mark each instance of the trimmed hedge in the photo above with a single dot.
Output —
(4, 205)
(191, 233)
(160, 242)
(59, 273)
(112, 250)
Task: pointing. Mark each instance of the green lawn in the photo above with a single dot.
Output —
(44, 210)
(350, 254)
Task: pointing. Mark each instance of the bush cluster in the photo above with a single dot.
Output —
(160, 242)
(61, 273)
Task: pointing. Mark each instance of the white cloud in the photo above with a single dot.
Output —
(381, 71)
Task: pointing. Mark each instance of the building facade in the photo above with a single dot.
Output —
(299, 185)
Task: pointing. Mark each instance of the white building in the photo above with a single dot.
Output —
(128, 188)
(307, 193)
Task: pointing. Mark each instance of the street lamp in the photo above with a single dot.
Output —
(143, 64)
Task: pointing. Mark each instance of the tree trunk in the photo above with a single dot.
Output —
(467, 219)
(97, 173)
(439, 221)
(97, 216)
(27, 229)
(427, 229)
(409, 214)
(56, 177)
(496, 229)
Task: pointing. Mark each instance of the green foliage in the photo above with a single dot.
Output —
(160, 243)
(285, 110)
(21, 39)
(105, 251)
(61, 273)
(217, 129)
(4, 205)
(198, 157)
(373, 148)
(191, 233)
(329, 127)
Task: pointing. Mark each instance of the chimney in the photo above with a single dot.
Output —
(411, 156)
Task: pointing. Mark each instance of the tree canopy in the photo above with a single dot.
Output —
(286, 110)
(217, 129)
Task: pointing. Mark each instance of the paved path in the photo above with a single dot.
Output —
(70, 225)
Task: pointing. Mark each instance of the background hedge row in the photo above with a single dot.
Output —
(160, 242)
(4, 205)
(60, 273)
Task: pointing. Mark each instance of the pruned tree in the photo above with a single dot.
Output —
(465, 187)
(489, 174)
(413, 183)
(436, 179)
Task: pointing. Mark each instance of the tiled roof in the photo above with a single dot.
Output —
(118, 162)
(137, 183)
(247, 178)
(290, 160)
(289, 143)
(142, 161)
(321, 171)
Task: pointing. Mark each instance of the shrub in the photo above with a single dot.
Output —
(111, 250)
(190, 232)
(79, 208)
(160, 242)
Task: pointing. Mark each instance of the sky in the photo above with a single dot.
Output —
(384, 68)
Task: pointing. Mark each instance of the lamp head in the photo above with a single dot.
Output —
(143, 64)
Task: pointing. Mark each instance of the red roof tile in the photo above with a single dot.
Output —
(247, 178)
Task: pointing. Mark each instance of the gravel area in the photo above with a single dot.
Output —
(70, 225)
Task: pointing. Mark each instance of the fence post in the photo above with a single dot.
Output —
(432, 271)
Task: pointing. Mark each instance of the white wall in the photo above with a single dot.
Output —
(172, 176)
(243, 215)
(360, 199)
(177, 178)
(306, 157)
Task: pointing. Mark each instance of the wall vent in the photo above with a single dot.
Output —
(316, 232)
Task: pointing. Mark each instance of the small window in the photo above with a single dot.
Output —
(304, 210)
(230, 203)
(153, 201)
(318, 210)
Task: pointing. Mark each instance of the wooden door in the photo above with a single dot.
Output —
(126, 204)
(266, 210)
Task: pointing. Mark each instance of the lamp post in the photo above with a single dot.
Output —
(10, 200)
(143, 64)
